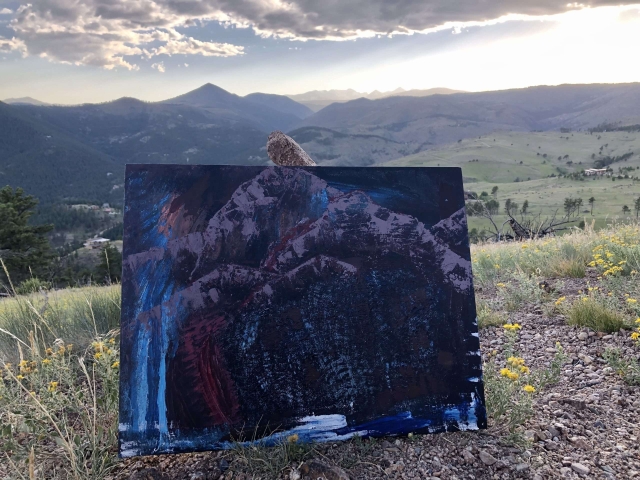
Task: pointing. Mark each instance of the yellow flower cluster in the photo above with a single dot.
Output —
(53, 386)
(505, 372)
(635, 336)
(501, 285)
(512, 326)
(560, 300)
(529, 388)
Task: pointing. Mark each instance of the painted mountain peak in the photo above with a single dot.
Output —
(325, 301)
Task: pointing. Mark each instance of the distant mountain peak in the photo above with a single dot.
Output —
(24, 101)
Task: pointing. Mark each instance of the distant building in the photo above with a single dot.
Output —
(80, 206)
(96, 242)
(595, 171)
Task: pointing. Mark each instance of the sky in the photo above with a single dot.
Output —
(75, 51)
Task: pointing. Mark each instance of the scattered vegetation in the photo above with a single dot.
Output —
(510, 385)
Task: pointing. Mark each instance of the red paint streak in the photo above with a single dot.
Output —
(205, 378)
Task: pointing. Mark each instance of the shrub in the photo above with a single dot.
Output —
(569, 268)
(510, 385)
(488, 317)
(32, 285)
(595, 312)
(627, 368)
(58, 411)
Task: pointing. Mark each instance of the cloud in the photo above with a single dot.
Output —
(107, 33)
(5, 11)
(191, 46)
(159, 67)
(13, 45)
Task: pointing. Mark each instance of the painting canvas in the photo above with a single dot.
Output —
(263, 302)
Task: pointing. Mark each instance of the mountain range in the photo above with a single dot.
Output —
(318, 99)
(78, 152)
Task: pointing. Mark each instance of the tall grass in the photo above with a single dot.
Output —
(59, 365)
(563, 256)
(77, 315)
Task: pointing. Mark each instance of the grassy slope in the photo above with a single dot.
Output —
(499, 164)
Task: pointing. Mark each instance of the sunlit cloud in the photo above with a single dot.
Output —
(112, 33)
(159, 67)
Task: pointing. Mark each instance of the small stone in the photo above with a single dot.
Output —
(521, 467)
(197, 476)
(555, 432)
(583, 335)
(580, 469)
(468, 456)
(317, 469)
(565, 472)
(294, 475)
(487, 458)
(551, 445)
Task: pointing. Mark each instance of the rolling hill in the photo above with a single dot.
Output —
(46, 162)
(441, 119)
(77, 146)
(318, 99)
(132, 131)
(328, 147)
(281, 104)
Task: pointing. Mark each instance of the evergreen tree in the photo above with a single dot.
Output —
(110, 268)
(24, 248)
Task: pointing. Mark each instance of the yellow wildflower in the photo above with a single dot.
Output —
(61, 350)
(524, 369)
(46, 361)
(560, 300)
(115, 364)
(49, 351)
(52, 386)
(635, 336)
(97, 356)
(512, 326)
(505, 372)
(515, 361)
(632, 300)
(529, 388)
(500, 284)
(292, 438)
(112, 341)
(19, 377)
(637, 321)
(23, 364)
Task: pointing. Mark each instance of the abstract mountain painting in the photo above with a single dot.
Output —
(263, 302)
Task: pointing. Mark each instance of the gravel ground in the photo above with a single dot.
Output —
(585, 426)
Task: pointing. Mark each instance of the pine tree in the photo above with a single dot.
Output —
(24, 248)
